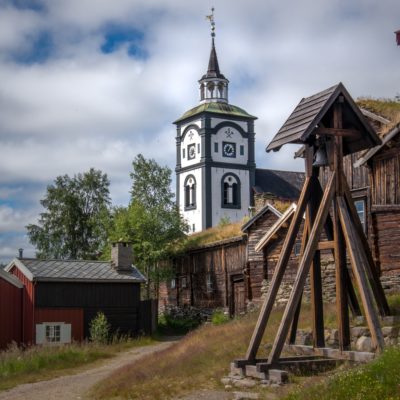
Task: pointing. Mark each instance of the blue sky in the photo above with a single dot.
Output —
(92, 83)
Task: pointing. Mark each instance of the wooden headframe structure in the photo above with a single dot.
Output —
(331, 121)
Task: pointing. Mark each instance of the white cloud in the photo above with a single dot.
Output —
(81, 108)
(15, 220)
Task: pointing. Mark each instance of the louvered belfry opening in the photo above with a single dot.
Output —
(330, 119)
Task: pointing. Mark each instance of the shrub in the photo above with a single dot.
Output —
(99, 329)
(180, 320)
(219, 317)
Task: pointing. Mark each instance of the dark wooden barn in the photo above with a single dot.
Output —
(373, 177)
(232, 273)
(209, 276)
(61, 297)
(11, 297)
(382, 201)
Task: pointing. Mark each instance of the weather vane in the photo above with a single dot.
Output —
(211, 19)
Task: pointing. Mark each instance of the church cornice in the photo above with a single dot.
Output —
(216, 164)
(222, 110)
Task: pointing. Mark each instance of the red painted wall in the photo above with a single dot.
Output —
(10, 313)
(73, 316)
(28, 328)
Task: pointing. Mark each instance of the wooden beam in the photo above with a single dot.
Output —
(278, 272)
(342, 310)
(357, 262)
(293, 329)
(315, 274)
(372, 273)
(337, 132)
(357, 356)
(353, 302)
(326, 245)
(303, 270)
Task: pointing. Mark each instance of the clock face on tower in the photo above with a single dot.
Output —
(191, 151)
(229, 149)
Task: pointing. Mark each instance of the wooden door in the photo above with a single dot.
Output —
(239, 303)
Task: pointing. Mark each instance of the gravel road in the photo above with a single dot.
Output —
(75, 386)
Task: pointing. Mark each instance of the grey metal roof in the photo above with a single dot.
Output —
(76, 270)
(213, 66)
(317, 110)
(282, 184)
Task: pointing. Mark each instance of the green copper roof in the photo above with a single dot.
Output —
(217, 108)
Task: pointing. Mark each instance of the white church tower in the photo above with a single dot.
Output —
(215, 166)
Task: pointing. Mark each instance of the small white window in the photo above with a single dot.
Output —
(297, 248)
(173, 283)
(360, 207)
(53, 333)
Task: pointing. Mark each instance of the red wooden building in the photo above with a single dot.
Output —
(61, 297)
(11, 298)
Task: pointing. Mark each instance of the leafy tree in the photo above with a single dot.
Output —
(151, 222)
(77, 213)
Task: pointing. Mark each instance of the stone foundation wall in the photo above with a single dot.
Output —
(390, 284)
(360, 335)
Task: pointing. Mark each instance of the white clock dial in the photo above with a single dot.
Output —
(229, 149)
(191, 151)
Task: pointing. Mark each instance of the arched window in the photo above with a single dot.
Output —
(202, 91)
(190, 192)
(210, 88)
(230, 187)
(221, 90)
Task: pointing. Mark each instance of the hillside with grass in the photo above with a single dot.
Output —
(202, 358)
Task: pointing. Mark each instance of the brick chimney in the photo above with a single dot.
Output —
(121, 256)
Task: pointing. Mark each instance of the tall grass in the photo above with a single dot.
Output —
(198, 361)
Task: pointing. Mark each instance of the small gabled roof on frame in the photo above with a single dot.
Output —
(276, 227)
(316, 112)
(256, 217)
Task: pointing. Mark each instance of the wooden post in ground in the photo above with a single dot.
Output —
(278, 274)
(304, 268)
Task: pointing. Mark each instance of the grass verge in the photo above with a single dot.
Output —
(38, 363)
(379, 379)
(196, 362)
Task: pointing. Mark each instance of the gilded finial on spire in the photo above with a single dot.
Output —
(211, 19)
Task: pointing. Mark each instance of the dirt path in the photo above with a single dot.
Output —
(75, 386)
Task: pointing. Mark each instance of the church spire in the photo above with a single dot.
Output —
(213, 85)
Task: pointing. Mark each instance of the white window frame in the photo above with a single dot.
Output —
(43, 330)
(361, 212)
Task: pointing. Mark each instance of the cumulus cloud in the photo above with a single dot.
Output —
(15, 220)
(66, 105)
